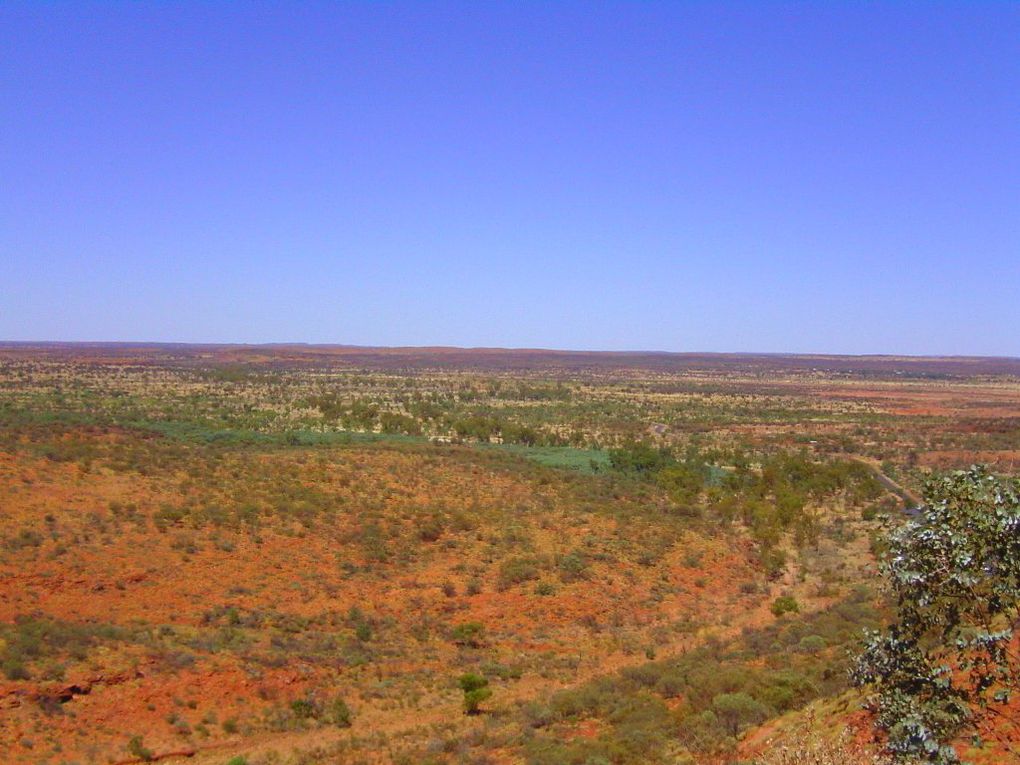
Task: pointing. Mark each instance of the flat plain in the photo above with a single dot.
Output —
(303, 554)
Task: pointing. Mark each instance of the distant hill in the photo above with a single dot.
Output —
(496, 359)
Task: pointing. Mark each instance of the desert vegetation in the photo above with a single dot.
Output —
(273, 556)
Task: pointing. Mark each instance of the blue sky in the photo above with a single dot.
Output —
(806, 177)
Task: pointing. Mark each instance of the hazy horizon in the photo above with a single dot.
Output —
(775, 178)
(493, 348)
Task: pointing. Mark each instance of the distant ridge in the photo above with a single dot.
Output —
(506, 359)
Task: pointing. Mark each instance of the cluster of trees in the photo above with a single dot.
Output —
(778, 495)
(485, 429)
(354, 414)
(784, 495)
(359, 414)
(515, 391)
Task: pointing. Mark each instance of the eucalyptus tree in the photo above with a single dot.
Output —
(948, 664)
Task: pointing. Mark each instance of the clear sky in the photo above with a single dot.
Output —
(807, 177)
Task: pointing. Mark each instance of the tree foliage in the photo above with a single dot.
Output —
(949, 660)
(640, 458)
(476, 690)
(784, 604)
(738, 710)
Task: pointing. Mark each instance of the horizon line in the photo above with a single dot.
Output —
(489, 349)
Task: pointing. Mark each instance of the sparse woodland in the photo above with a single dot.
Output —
(276, 561)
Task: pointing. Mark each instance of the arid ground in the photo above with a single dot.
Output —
(296, 554)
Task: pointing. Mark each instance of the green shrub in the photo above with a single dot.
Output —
(363, 631)
(784, 604)
(339, 713)
(517, 571)
(14, 669)
(545, 588)
(573, 566)
(431, 529)
(468, 634)
(137, 749)
(812, 644)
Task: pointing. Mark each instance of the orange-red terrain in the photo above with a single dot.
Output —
(105, 560)
(185, 576)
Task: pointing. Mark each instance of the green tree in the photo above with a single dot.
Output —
(949, 658)
(476, 690)
(738, 710)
